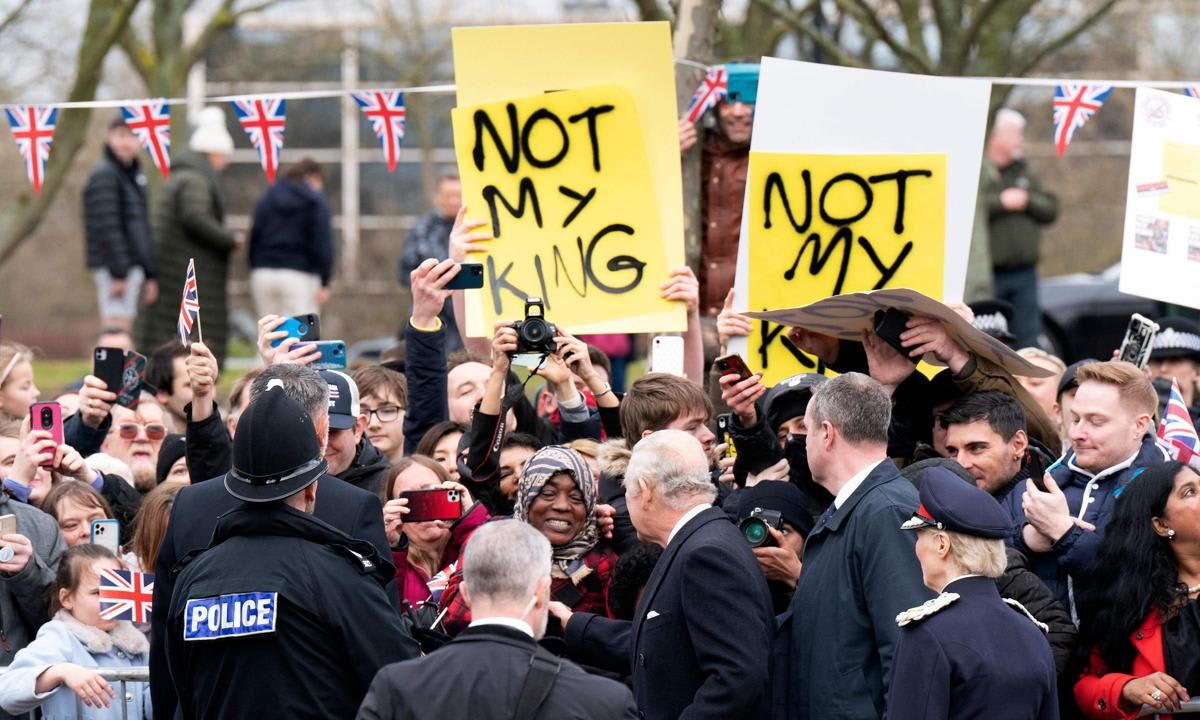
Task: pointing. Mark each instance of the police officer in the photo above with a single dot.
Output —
(967, 653)
(283, 615)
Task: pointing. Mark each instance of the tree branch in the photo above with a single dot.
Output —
(14, 16)
(910, 16)
(979, 20)
(650, 10)
(138, 54)
(869, 19)
(1055, 44)
(223, 19)
(793, 19)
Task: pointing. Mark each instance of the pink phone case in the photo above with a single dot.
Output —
(47, 416)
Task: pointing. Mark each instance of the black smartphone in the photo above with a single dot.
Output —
(132, 375)
(108, 364)
(469, 277)
(888, 326)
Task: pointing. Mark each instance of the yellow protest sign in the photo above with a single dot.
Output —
(1181, 170)
(566, 185)
(495, 64)
(822, 225)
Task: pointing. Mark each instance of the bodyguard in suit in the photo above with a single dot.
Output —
(494, 670)
(859, 568)
(194, 515)
(966, 653)
(700, 642)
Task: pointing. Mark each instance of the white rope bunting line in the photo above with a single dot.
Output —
(443, 88)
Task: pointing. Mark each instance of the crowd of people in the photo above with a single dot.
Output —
(880, 543)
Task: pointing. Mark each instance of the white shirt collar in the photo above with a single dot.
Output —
(508, 622)
(684, 520)
(960, 577)
(849, 488)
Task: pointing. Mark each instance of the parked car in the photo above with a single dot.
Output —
(1084, 315)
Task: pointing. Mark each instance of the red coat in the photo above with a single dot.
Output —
(411, 581)
(1098, 692)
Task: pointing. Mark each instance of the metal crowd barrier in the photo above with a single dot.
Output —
(1191, 707)
(120, 676)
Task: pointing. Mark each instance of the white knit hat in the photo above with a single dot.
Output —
(210, 135)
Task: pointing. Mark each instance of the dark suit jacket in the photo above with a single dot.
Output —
(700, 642)
(352, 510)
(480, 676)
(860, 571)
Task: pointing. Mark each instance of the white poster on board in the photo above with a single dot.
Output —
(1160, 254)
(869, 118)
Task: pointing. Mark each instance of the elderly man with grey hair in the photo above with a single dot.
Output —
(860, 570)
(700, 641)
(494, 668)
(352, 510)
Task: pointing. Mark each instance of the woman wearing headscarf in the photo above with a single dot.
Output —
(1140, 615)
(556, 495)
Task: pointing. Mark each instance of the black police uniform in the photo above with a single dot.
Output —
(283, 616)
(967, 653)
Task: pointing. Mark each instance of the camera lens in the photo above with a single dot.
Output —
(47, 417)
(755, 531)
(535, 331)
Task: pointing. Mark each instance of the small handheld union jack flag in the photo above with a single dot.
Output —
(189, 307)
(126, 595)
(385, 110)
(1177, 430)
(151, 123)
(711, 91)
(1074, 105)
(33, 129)
(263, 118)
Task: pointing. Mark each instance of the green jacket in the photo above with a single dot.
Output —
(189, 222)
(1015, 236)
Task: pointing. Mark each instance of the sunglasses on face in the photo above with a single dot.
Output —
(154, 431)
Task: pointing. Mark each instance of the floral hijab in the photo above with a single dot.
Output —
(567, 560)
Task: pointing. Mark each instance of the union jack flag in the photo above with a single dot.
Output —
(189, 307)
(1176, 427)
(262, 118)
(385, 110)
(1192, 91)
(712, 89)
(126, 595)
(1074, 105)
(33, 129)
(151, 123)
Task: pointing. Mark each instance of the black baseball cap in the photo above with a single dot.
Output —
(276, 453)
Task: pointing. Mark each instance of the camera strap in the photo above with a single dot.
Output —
(513, 392)
(543, 672)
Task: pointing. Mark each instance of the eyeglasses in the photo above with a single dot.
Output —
(386, 414)
(154, 431)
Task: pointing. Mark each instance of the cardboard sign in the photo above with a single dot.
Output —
(820, 225)
(566, 185)
(891, 122)
(511, 63)
(1160, 256)
(846, 316)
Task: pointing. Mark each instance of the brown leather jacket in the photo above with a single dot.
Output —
(723, 167)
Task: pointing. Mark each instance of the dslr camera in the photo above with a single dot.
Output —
(535, 336)
(754, 527)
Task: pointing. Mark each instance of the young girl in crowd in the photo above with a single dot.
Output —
(151, 524)
(59, 666)
(17, 391)
(74, 505)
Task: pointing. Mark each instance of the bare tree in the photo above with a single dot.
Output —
(106, 20)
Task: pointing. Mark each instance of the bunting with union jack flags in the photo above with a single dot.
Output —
(33, 129)
(189, 306)
(385, 110)
(1178, 431)
(1074, 105)
(151, 123)
(263, 118)
(711, 91)
(126, 595)
(1192, 91)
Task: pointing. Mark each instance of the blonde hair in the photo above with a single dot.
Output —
(12, 353)
(1134, 386)
(585, 446)
(1035, 354)
(976, 555)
